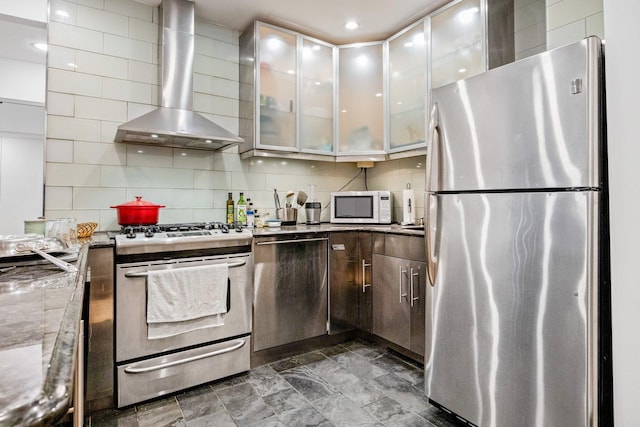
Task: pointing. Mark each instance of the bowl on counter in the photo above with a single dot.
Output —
(272, 223)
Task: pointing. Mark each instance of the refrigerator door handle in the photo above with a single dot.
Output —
(432, 150)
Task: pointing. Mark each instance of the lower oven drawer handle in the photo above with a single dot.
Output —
(134, 370)
(146, 273)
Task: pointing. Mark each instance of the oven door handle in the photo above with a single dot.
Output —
(142, 370)
(146, 273)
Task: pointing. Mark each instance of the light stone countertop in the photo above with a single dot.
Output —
(40, 312)
(326, 227)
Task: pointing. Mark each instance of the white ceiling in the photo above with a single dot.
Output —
(323, 19)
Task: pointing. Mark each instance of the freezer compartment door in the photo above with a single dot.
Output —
(534, 123)
(508, 326)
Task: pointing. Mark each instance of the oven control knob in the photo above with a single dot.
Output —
(148, 232)
(130, 233)
(225, 228)
(239, 228)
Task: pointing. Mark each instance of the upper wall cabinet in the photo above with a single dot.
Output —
(407, 77)
(286, 92)
(361, 104)
(458, 42)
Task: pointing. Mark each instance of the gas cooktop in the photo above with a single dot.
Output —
(180, 237)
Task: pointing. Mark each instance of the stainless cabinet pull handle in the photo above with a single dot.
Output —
(146, 273)
(279, 242)
(400, 284)
(411, 276)
(133, 370)
(364, 284)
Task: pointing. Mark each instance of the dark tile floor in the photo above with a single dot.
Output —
(350, 384)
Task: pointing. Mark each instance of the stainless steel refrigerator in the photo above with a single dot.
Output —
(515, 211)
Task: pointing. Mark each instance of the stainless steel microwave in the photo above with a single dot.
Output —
(361, 207)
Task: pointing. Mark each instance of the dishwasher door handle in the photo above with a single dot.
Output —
(146, 273)
(280, 242)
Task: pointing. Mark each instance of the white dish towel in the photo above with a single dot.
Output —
(185, 299)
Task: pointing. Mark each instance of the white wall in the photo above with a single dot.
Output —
(34, 10)
(622, 65)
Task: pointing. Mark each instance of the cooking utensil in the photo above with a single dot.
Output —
(288, 216)
(33, 247)
(276, 199)
(301, 198)
(138, 212)
(289, 198)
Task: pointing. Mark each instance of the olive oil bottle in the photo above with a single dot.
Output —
(230, 209)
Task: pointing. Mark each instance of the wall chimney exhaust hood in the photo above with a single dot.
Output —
(174, 123)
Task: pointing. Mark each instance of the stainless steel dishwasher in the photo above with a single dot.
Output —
(290, 279)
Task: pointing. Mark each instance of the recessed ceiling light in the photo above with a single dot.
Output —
(208, 141)
(153, 135)
(40, 46)
(351, 25)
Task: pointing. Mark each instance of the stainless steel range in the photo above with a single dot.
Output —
(178, 260)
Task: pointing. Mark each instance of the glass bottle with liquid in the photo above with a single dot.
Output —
(241, 210)
(230, 209)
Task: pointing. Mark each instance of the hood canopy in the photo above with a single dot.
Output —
(174, 123)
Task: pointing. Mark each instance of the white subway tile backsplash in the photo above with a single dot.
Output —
(101, 65)
(158, 196)
(125, 90)
(99, 20)
(61, 57)
(60, 104)
(74, 83)
(107, 220)
(143, 72)
(226, 51)
(62, 11)
(97, 197)
(532, 14)
(216, 86)
(108, 134)
(241, 181)
(193, 198)
(569, 11)
(146, 31)
(59, 151)
(192, 159)
(61, 127)
(566, 34)
(58, 198)
(96, 153)
(215, 105)
(148, 155)
(145, 177)
(229, 162)
(101, 109)
(75, 37)
(124, 47)
(216, 67)
(209, 215)
(595, 25)
(130, 8)
(204, 179)
(216, 32)
(97, 4)
(62, 174)
(530, 37)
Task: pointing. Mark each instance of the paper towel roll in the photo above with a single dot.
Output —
(408, 207)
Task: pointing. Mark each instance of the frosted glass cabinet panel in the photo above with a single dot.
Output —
(457, 42)
(361, 107)
(277, 85)
(407, 88)
(316, 97)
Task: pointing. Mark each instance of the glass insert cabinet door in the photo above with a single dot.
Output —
(361, 105)
(317, 78)
(407, 87)
(457, 42)
(278, 88)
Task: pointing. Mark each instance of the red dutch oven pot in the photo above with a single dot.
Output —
(138, 212)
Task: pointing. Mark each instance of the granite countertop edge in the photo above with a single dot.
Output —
(55, 397)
